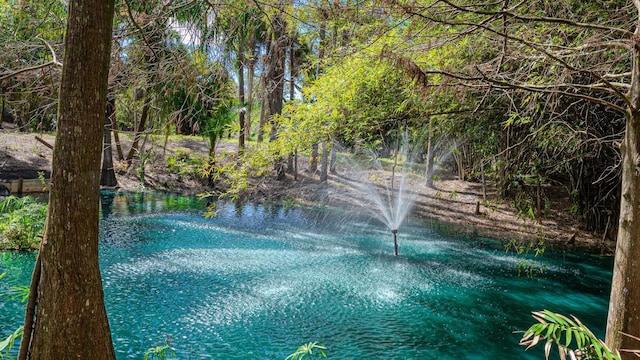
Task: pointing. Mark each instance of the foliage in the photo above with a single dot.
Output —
(527, 254)
(306, 351)
(217, 123)
(160, 352)
(30, 47)
(186, 164)
(570, 336)
(21, 221)
(357, 99)
(7, 344)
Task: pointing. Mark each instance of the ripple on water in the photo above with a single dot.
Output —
(235, 288)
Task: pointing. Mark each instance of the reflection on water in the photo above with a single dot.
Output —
(257, 281)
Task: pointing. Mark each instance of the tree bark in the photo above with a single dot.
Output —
(251, 73)
(108, 175)
(71, 317)
(263, 117)
(430, 155)
(624, 304)
(116, 137)
(2, 112)
(333, 159)
(275, 82)
(241, 133)
(133, 151)
(324, 161)
(313, 161)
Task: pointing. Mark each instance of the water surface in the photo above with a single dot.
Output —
(256, 282)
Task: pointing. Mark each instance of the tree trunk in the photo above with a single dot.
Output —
(324, 162)
(250, 75)
(71, 318)
(2, 112)
(290, 161)
(313, 161)
(116, 135)
(263, 109)
(279, 164)
(333, 159)
(430, 156)
(624, 305)
(275, 81)
(133, 151)
(295, 164)
(290, 158)
(108, 175)
(241, 100)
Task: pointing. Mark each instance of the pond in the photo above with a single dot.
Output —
(257, 281)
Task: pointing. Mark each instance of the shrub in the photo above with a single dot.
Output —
(21, 221)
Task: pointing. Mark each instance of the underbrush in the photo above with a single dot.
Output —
(187, 164)
(21, 221)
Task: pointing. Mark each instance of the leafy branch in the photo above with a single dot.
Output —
(306, 351)
(570, 336)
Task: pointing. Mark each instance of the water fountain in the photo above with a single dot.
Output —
(388, 200)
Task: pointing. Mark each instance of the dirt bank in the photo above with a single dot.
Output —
(451, 201)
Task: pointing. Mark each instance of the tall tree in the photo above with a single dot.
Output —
(239, 29)
(71, 317)
(274, 78)
(539, 55)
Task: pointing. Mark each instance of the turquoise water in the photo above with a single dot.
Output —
(256, 282)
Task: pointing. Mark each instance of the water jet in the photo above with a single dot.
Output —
(388, 197)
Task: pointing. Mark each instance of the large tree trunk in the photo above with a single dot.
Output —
(71, 318)
(624, 305)
(291, 159)
(108, 175)
(275, 81)
(313, 161)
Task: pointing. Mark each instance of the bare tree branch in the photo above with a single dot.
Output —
(53, 62)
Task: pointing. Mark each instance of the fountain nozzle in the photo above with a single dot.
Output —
(395, 240)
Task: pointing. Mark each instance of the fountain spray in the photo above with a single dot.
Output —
(395, 240)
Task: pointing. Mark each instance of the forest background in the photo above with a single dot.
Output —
(310, 75)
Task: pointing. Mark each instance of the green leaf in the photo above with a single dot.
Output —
(567, 340)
